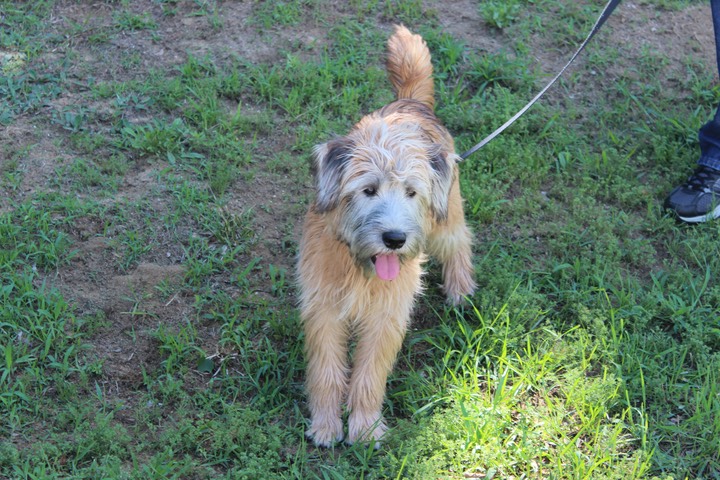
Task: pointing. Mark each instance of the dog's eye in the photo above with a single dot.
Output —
(370, 191)
(411, 193)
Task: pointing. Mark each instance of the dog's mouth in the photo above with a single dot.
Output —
(387, 266)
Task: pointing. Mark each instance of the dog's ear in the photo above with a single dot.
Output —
(442, 166)
(331, 159)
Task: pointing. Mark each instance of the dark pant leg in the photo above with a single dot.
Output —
(709, 134)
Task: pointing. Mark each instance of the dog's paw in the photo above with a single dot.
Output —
(326, 433)
(365, 429)
(456, 296)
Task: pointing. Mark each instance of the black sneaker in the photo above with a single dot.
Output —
(698, 200)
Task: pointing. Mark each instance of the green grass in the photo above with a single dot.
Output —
(148, 232)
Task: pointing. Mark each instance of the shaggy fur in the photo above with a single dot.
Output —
(387, 195)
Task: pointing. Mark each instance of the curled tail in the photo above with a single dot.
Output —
(409, 67)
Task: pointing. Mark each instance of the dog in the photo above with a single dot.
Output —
(387, 196)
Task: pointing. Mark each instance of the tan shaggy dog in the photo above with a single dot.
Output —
(387, 194)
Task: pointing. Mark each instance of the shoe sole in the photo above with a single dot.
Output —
(702, 218)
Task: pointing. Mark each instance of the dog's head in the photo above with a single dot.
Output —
(384, 186)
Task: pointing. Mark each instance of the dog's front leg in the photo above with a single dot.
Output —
(326, 339)
(451, 243)
(380, 339)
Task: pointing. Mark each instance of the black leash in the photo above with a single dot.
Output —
(604, 15)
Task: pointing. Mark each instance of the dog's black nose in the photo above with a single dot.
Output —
(394, 239)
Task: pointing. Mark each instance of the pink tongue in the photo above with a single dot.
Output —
(387, 267)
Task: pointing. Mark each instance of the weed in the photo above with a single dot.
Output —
(408, 11)
(277, 280)
(156, 138)
(128, 21)
(500, 14)
(281, 13)
(26, 92)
